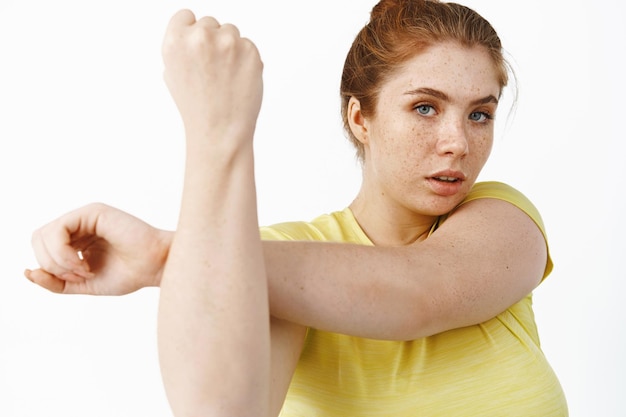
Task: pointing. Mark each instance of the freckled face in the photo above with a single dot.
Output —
(432, 131)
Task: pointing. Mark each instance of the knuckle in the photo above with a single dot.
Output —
(96, 206)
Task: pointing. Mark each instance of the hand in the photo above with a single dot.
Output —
(98, 250)
(214, 77)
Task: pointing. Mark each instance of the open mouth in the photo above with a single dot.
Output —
(446, 179)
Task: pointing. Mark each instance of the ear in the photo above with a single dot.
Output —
(358, 124)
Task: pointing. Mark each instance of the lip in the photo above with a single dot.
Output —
(446, 188)
(450, 174)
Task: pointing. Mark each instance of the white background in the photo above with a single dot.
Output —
(85, 116)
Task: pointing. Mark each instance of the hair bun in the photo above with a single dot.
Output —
(383, 8)
(386, 8)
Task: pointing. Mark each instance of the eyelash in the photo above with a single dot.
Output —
(488, 116)
(417, 108)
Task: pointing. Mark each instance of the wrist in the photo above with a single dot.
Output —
(164, 241)
(208, 135)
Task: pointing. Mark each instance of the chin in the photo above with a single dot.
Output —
(443, 205)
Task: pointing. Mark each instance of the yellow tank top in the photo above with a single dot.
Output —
(495, 368)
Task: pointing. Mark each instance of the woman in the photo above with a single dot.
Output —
(418, 301)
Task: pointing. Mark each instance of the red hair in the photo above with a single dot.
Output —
(399, 29)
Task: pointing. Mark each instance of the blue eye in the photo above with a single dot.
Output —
(425, 109)
(479, 116)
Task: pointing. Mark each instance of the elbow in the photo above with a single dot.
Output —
(414, 315)
(430, 307)
(420, 323)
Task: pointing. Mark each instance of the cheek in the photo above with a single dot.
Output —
(485, 142)
(399, 146)
(403, 139)
(414, 147)
(481, 148)
(405, 153)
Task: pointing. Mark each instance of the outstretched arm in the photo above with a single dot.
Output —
(486, 256)
(213, 324)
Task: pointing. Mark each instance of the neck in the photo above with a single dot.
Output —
(387, 223)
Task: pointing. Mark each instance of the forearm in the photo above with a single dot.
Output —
(407, 292)
(345, 288)
(214, 292)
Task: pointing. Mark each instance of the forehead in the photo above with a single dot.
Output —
(459, 71)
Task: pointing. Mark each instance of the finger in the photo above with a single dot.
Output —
(210, 22)
(58, 244)
(66, 237)
(232, 29)
(43, 255)
(45, 280)
(181, 18)
(54, 253)
(253, 49)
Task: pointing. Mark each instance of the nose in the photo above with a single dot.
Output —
(453, 139)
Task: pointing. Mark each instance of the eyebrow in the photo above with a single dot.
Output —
(443, 96)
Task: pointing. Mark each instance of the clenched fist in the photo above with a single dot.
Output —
(214, 76)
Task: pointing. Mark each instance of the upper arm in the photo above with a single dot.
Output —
(486, 256)
(489, 255)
